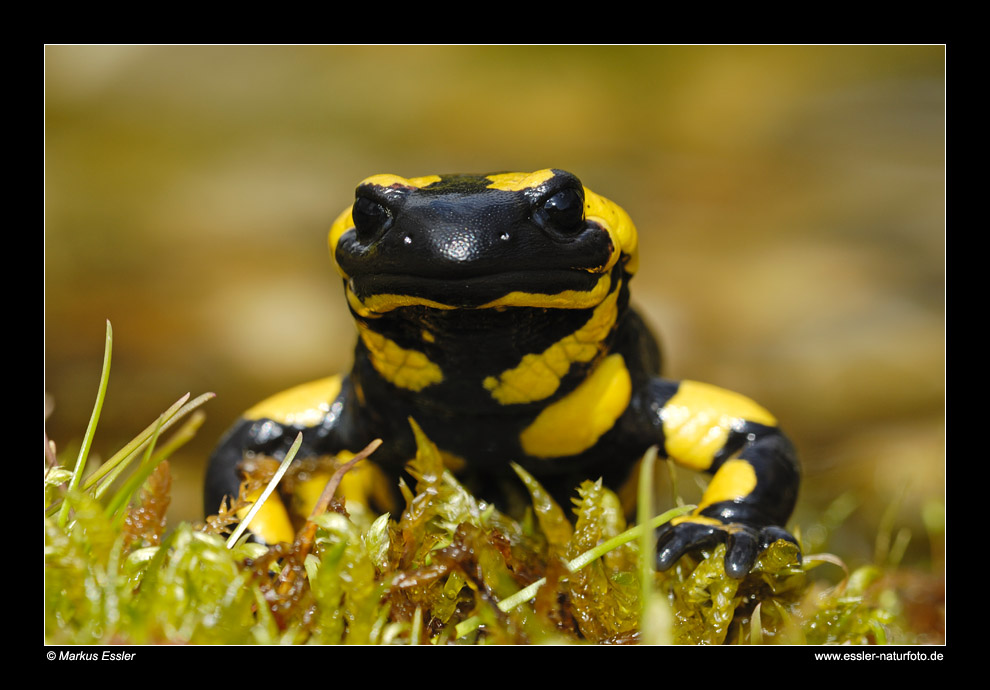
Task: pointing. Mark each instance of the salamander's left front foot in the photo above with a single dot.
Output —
(743, 543)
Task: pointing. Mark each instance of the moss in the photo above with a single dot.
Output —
(450, 569)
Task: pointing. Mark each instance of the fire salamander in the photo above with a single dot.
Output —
(494, 311)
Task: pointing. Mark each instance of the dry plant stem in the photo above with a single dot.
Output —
(304, 541)
(813, 560)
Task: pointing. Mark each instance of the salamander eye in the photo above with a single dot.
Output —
(563, 212)
(370, 218)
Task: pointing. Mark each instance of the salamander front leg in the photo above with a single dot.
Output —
(756, 474)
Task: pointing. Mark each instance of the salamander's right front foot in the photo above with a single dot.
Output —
(743, 543)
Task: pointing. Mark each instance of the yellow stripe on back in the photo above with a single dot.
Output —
(538, 375)
(574, 423)
(409, 369)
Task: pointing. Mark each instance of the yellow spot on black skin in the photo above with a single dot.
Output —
(538, 375)
(271, 523)
(342, 224)
(617, 224)
(567, 299)
(357, 307)
(574, 423)
(361, 487)
(409, 369)
(697, 421)
(517, 182)
(307, 493)
(699, 519)
(379, 304)
(304, 405)
(735, 479)
(345, 222)
(387, 180)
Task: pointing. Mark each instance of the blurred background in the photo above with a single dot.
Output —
(790, 204)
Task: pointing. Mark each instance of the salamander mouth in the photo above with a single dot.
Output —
(553, 288)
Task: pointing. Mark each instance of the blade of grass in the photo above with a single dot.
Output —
(177, 411)
(121, 496)
(126, 455)
(627, 536)
(417, 627)
(267, 492)
(117, 508)
(644, 509)
(756, 625)
(94, 418)
(655, 618)
(185, 433)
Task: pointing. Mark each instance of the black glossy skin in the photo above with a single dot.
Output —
(462, 244)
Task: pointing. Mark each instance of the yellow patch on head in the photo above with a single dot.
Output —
(697, 421)
(342, 224)
(618, 224)
(304, 405)
(518, 181)
(574, 423)
(387, 180)
(538, 375)
(409, 369)
(345, 222)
